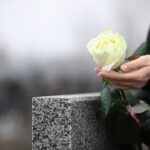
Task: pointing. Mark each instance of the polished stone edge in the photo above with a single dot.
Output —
(71, 97)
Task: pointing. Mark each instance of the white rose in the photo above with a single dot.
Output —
(108, 50)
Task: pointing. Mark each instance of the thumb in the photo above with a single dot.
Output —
(141, 62)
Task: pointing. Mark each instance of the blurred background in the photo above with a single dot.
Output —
(43, 52)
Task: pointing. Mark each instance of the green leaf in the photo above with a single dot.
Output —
(104, 82)
(140, 108)
(106, 101)
(115, 94)
(117, 103)
(140, 51)
(132, 100)
(133, 57)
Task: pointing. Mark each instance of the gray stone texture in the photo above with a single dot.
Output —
(69, 122)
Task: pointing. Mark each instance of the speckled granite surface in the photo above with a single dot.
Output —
(68, 123)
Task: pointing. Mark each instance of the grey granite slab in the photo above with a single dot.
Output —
(69, 122)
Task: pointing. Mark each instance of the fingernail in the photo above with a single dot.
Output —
(97, 69)
(124, 67)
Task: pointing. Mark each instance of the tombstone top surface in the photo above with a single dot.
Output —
(72, 97)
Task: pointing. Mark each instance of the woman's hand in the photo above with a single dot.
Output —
(134, 74)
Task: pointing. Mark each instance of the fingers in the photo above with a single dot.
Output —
(130, 80)
(134, 76)
(117, 76)
(142, 61)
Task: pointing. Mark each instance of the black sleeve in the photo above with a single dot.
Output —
(148, 41)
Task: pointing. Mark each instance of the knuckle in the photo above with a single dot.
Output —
(142, 59)
(145, 59)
